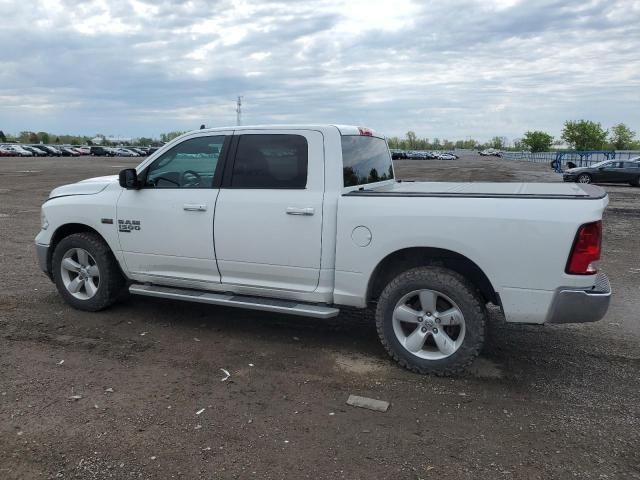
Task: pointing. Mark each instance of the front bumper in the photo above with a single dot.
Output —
(572, 305)
(569, 178)
(42, 252)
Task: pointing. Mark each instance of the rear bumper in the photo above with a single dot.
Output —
(571, 305)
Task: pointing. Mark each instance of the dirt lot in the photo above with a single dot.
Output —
(542, 402)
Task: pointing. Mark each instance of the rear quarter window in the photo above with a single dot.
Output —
(365, 160)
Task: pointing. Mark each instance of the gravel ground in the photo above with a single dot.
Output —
(116, 394)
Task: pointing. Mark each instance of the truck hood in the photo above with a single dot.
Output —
(481, 190)
(90, 186)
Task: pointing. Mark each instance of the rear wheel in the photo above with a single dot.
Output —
(584, 178)
(431, 321)
(86, 273)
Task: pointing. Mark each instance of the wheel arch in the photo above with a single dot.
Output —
(64, 231)
(407, 258)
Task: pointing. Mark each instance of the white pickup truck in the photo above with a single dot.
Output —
(305, 220)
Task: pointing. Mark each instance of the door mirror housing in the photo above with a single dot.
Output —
(129, 179)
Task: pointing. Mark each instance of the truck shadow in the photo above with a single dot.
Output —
(521, 356)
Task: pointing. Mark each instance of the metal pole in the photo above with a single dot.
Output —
(239, 111)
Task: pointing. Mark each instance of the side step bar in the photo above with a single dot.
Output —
(231, 300)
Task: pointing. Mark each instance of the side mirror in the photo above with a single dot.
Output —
(129, 179)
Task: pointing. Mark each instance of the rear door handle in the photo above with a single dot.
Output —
(300, 211)
(194, 207)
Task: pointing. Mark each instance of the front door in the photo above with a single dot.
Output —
(166, 227)
(268, 225)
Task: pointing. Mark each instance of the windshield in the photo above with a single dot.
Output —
(365, 160)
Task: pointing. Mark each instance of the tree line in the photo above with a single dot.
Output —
(576, 134)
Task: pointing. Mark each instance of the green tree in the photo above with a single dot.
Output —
(621, 137)
(44, 137)
(411, 139)
(167, 137)
(537, 141)
(3, 137)
(584, 135)
(497, 142)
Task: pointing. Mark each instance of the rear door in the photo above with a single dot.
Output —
(268, 220)
(611, 172)
(631, 172)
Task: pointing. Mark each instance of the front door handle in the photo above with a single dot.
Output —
(300, 211)
(194, 207)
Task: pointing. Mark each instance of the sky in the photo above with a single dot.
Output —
(448, 69)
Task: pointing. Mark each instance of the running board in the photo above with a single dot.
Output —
(231, 300)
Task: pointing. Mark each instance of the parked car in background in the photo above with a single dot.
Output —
(140, 151)
(52, 150)
(68, 152)
(608, 171)
(100, 151)
(447, 156)
(17, 150)
(83, 150)
(490, 152)
(42, 149)
(416, 155)
(36, 151)
(125, 152)
(398, 154)
(5, 153)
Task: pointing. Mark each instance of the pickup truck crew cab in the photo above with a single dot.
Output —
(305, 220)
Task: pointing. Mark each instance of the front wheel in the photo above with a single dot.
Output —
(86, 273)
(431, 321)
(584, 178)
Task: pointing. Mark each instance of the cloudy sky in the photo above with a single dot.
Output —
(448, 69)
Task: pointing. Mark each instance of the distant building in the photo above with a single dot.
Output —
(112, 139)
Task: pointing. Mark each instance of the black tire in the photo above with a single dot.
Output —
(454, 286)
(636, 183)
(112, 283)
(585, 176)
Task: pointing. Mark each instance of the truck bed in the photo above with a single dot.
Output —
(486, 190)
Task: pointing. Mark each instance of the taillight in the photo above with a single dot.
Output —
(586, 249)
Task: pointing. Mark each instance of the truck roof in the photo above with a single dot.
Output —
(343, 129)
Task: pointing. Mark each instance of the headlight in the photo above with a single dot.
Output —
(44, 223)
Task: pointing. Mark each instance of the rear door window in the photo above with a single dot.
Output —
(271, 161)
(365, 160)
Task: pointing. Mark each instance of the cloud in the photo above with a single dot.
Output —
(443, 69)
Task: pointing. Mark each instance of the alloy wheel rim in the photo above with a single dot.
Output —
(80, 273)
(584, 179)
(428, 324)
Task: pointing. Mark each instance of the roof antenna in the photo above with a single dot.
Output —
(202, 127)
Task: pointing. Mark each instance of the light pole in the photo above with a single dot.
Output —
(239, 110)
